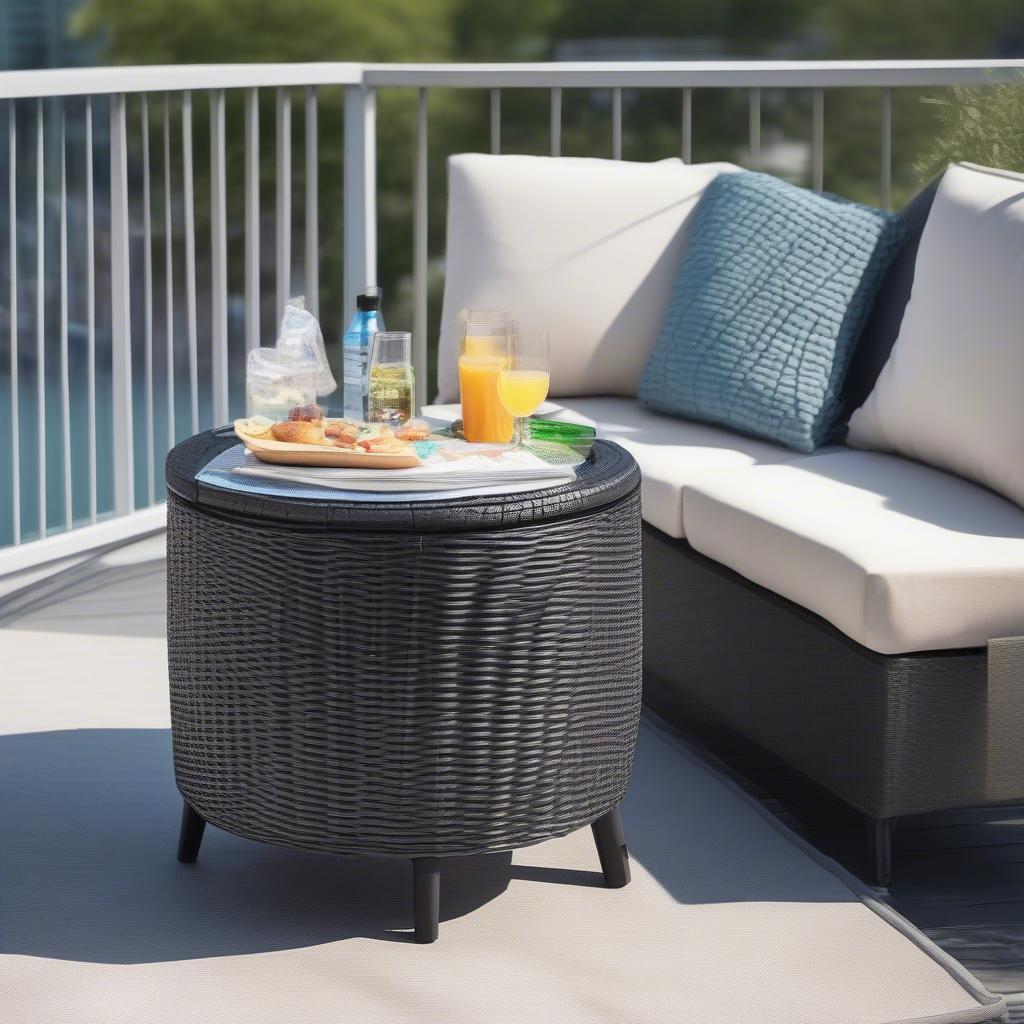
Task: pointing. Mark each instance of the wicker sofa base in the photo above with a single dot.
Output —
(890, 735)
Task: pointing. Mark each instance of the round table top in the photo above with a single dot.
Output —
(608, 475)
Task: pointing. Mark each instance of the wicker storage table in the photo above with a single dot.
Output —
(409, 678)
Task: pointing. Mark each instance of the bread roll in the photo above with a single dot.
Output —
(299, 432)
(255, 426)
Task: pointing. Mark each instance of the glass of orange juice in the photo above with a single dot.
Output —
(483, 353)
(524, 380)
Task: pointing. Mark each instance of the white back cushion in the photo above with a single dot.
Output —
(952, 391)
(586, 249)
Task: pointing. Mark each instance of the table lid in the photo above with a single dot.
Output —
(609, 475)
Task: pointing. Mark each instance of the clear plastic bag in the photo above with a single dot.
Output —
(277, 384)
(302, 342)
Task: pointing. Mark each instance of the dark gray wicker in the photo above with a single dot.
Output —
(417, 679)
(890, 735)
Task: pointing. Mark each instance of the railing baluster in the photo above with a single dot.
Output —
(495, 121)
(218, 261)
(190, 254)
(252, 219)
(360, 191)
(147, 299)
(818, 140)
(312, 201)
(886, 183)
(556, 122)
(168, 274)
(120, 323)
(12, 213)
(419, 249)
(616, 123)
(687, 126)
(755, 129)
(41, 317)
(90, 305)
(65, 383)
(283, 247)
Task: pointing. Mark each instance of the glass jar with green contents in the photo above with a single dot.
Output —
(392, 386)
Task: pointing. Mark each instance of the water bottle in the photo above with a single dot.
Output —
(356, 350)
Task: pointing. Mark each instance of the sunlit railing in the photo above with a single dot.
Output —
(104, 118)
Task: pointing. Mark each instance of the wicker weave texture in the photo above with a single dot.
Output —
(410, 694)
(889, 735)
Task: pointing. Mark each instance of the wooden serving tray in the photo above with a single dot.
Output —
(286, 454)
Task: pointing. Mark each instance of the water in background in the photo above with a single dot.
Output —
(149, 449)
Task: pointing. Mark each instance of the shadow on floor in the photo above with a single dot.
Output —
(957, 875)
(90, 873)
(675, 826)
(89, 870)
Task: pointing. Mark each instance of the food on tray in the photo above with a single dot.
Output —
(414, 430)
(385, 444)
(305, 427)
(306, 412)
(299, 432)
(342, 433)
(255, 426)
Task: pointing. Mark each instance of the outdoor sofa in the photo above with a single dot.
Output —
(852, 611)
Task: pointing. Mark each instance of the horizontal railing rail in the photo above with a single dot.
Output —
(120, 240)
(702, 74)
(64, 82)
(581, 75)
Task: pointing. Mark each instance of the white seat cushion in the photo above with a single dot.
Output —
(671, 452)
(585, 249)
(899, 556)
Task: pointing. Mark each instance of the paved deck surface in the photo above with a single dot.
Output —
(960, 878)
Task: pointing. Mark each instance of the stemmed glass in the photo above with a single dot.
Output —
(524, 380)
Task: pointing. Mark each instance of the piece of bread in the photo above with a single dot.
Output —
(341, 431)
(299, 432)
(256, 427)
(385, 446)
(306, 412)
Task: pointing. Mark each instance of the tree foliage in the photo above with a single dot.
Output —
(230, 31)
(982, 124)
(978, 124)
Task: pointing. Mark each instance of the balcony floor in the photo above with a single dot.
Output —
(101, 924)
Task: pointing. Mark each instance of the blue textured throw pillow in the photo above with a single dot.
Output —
(774, 288)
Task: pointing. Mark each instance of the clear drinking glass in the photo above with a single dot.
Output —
(392, 385)
(524, 380)
(483, 351)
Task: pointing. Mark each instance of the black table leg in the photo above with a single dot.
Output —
(427, 896)
(191, 835)
(611, 849)
(880, 832)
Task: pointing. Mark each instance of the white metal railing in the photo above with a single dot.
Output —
(135, 504)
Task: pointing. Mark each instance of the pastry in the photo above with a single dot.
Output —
(385, 445)
(343, 433)
(306, 412)
(255, 426)
(299, 432)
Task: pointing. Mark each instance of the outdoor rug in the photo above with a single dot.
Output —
(729, 917)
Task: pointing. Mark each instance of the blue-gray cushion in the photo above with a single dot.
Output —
(772, 292)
